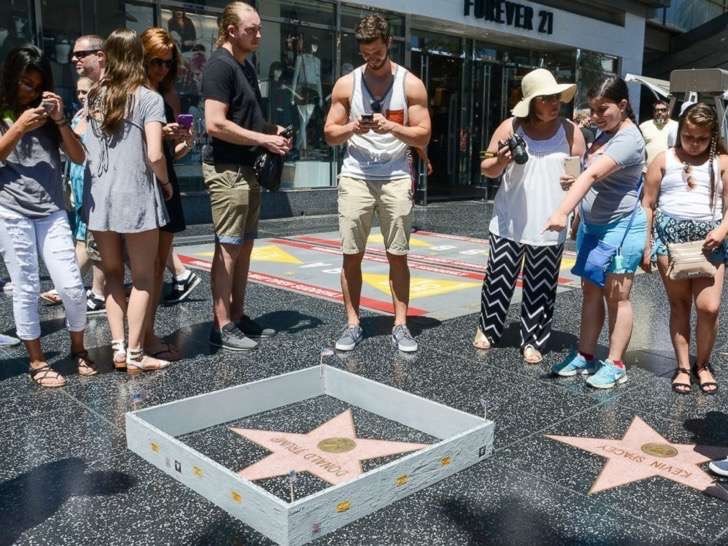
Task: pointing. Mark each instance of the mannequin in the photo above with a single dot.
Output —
(279, 97)
(307, 89)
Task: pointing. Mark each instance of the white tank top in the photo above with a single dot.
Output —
(372, 156)
(679, 201)
(530, 193)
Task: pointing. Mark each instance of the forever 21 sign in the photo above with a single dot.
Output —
(512, 14)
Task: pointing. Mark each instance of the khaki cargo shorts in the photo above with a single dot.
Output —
(235, 201)
(360, 199)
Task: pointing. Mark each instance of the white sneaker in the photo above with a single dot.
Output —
(719, 467)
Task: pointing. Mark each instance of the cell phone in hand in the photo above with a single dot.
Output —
(367, 118)
(184, 120)
(572, 166)
(47, 105)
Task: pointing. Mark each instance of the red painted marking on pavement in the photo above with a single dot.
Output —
(373, 257)
(411, 257)
(451, 237)
(307, 289)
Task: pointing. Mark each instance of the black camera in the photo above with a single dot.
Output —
(517, 147)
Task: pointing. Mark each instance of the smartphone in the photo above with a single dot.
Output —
(184, 120)
(367, 118)
(287, 132)
(572, 166)
(47, 105)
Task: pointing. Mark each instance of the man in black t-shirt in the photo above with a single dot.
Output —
(238, 130)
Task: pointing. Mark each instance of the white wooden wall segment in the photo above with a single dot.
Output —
(241, 498)
(409, 409)
(333, 508)
(214, 408)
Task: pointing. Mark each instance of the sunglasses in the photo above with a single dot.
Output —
(687, 175)
(376, 106)
(549, 98)
(162, 63)
(80, 55)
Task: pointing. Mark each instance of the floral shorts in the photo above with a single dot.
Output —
(668, 229)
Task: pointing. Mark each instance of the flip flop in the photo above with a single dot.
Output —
(51, 297)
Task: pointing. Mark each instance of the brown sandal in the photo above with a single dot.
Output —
(682, 388)
(86, 366)
(705, 386)
(47, 377)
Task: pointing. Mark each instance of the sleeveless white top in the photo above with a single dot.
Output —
(372, 156)
(530, 193)
(679, 201)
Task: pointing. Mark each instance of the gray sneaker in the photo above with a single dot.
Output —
(350, 337)
(403, 340)
(719, 467)
(252, 329)
(231, 338)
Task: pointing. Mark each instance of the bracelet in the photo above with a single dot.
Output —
(61, 123)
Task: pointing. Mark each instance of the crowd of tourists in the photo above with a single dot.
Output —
(116, 204)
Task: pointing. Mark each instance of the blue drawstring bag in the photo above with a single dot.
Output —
(595, 256)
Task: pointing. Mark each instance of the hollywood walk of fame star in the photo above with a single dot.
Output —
(643, 453)
(332, 451)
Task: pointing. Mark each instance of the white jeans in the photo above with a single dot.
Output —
(22, 239)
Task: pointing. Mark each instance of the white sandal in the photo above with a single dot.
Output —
(481, 341)
(531, 355)
(137, 362)
(119, 348)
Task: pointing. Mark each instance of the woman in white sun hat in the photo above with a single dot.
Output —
(527, 196)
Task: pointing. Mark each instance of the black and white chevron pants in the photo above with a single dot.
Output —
(541, 265)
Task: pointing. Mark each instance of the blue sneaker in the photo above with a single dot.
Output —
(575, 364)
(608, 376)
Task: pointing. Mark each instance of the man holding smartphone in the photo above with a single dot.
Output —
(234, 120)
(379, 110)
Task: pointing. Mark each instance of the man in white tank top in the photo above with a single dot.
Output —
(378, 111)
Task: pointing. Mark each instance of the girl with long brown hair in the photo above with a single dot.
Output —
(161, 61)
(124, 201)
(685, 198)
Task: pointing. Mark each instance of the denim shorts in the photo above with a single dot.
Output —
(668, 229)
(612, 234)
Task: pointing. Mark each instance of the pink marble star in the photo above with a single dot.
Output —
(332, 451)
(643, 453)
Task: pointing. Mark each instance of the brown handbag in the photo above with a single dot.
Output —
(689, 261)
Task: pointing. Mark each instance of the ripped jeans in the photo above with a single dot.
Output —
(22, 240)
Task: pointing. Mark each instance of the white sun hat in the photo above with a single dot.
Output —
(541, 82)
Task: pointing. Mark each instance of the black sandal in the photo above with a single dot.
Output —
(704, 385)
(38, 375)
(86, 366)
(682, 388)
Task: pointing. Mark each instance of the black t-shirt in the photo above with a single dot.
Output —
(235, 84)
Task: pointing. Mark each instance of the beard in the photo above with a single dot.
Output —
(379, 65)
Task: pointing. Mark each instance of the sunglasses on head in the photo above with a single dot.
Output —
(162, 63)
(82, 54)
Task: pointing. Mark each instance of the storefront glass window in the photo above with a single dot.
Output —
(303, 11)
(592, 67)
(16, 26)
(296, 68)
(351, 15)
